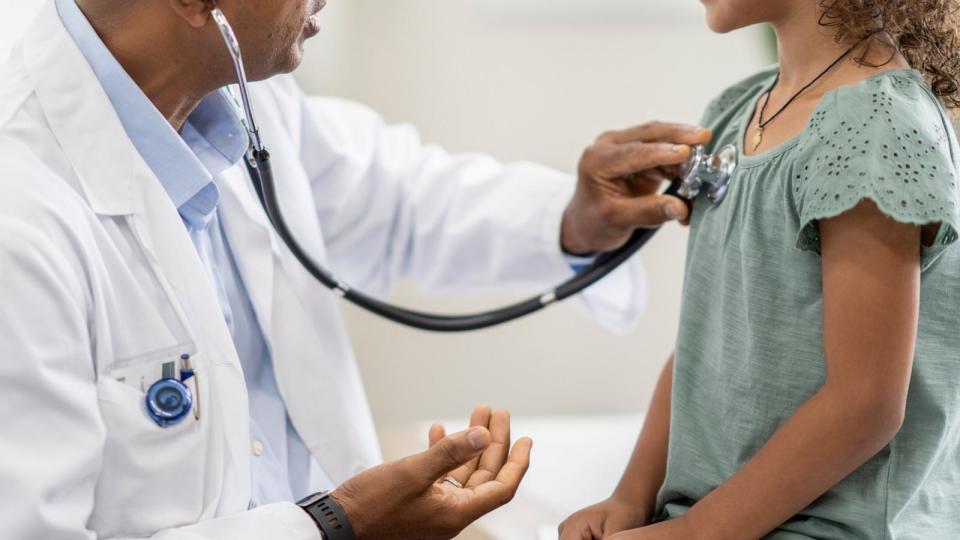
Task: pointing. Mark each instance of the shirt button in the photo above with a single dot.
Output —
(257, 447)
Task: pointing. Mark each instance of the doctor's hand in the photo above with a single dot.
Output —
(620, 178)
(409, 498)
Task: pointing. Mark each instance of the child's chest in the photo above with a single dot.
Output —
(743, 263)
(756, 221)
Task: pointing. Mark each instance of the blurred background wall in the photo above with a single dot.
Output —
(521, 79)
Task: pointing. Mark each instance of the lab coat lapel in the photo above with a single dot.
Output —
(312, 360)
(76, 105)
(252, 242)
(291, 334)
(318, 377)
(118, 183)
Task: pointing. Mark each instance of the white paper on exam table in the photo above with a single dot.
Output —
(547, 533)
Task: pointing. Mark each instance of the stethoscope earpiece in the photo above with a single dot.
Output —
(712, 172)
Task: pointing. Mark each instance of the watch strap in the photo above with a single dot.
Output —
(329, 517)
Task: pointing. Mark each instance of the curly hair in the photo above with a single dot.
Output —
(925, 32)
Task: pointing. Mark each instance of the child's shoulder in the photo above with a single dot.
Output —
(739, 95)
(892, 115)
(888, 99)
(887, 138)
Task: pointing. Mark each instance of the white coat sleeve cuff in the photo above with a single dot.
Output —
(280, 520)
(617, 300)
(295, 521)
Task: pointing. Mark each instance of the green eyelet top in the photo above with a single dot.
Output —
(750, 343)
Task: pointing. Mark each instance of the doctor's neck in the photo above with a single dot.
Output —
(174, 66)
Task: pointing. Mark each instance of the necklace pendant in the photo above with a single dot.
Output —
(758, 139)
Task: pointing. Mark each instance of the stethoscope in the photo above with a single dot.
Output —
(701, 172)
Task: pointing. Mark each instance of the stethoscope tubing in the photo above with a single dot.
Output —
(261, 174)
(259, 168)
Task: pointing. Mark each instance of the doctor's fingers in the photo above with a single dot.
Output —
(501, 489)
(493, 458)
(646, 182)
(663, 132)
(647, 211)
(612, 161)
(422, 470)
(436, 434)
(479, 418)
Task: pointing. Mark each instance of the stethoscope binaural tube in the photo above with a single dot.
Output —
(698, 171)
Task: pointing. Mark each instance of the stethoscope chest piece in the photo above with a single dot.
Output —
(168, 402)
(710, 172)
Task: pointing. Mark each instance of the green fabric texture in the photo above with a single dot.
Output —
(750, 343)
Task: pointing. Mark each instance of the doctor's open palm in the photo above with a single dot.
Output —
(408, 499)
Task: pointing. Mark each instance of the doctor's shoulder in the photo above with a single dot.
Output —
(326, 125)
(43, 221)
(15, 91)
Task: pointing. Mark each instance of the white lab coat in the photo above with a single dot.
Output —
(97, 272)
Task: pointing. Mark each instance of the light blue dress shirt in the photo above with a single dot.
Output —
(212, 140)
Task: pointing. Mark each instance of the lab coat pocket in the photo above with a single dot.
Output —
(152, 477)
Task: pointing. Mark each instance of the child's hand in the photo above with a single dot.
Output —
(674, 529)
(604, 519)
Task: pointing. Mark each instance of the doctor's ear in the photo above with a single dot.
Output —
(195, 12)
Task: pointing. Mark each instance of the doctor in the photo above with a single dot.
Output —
(133, 249)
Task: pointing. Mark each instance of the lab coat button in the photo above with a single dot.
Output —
(257, 447)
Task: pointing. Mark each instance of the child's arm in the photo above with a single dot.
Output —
(871, 284)
(633, 502)
(644, 475)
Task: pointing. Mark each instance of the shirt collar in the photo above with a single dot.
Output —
(212, 140)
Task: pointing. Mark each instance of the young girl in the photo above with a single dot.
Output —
(815, 388)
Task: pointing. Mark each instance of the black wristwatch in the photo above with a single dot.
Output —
(328, 516)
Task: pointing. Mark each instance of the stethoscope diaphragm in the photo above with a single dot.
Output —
(168, 402)
(710, 172)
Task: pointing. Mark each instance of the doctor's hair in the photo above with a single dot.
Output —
(925, 32)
